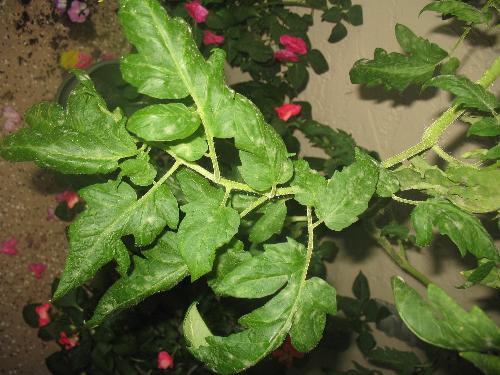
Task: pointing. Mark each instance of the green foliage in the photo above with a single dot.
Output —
(489, 364)
(460, 10)
(84, 138)
(271, 222)
(300, 308)
(397, 71)
(442, 322)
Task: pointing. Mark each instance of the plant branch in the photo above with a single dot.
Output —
(449, 158)
(435, 130)
(253, 206)
(310, 236)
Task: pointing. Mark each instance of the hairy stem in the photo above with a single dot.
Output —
(432, 133)
(253, 206)
(449, 158)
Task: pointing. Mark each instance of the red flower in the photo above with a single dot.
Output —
(294, 44)
(37, 269)
(197, 11)
(9, 247)
(288, 110)
(70, 197)
(83, 61)
(286, 56)
(68, 342)
(43, 314)
(211, 38)
(165, 360)
(286, 353)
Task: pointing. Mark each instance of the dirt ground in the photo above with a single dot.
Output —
(31, 40)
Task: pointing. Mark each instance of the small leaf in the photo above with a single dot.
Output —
(317, 61)
(479, 274)
(487, 363)
(355, 15)
(309, 186)
(441, 322)
(387, 184)
(459, 9)
(164, 122)
(338, 33)
(404, 363)
(451, 66)
(194, 328)
(204, 229)
(492, 279)
(463, 229)
(191, 148)
(161, 269)
(297, 76)
(271, 222)
(348, 192)
(197, 188)
(360, 287)
(469, 94)
(485, 127)
(139, 170)
(333, 15)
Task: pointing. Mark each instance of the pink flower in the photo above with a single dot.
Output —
(294, 44)
(286, 353)
(197, 11)
(9, 247)
(60, 6)
(286, 56)
(12, 118)
(37, 269)
(78, 12)
(83, 61)
(68, 342)
(165, 360)
(43, 314)
(70, 197)
(288, 110)
(211, 38)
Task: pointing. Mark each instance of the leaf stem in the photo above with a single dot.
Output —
(435, 130)
(404, 200)
(449, 158)
(310, 238)
(254, 205)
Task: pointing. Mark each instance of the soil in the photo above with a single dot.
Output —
(33, 39)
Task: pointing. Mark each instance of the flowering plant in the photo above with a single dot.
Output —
(228, 183)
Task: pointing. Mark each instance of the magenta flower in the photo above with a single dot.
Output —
(12, 118)
(43, 314)
(165, 360)
(78, 12)
(197, 11)
(211, 38)
(288, 110)
(9, 246)
(37, 269)
(60, 6)
(294, 44)
(286, 56)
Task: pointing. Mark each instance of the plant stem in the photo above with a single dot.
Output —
(310, 236)
(253, 206)
(432, 133)
(449, 158)
(404, 200)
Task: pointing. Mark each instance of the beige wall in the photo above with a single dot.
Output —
(389, 124)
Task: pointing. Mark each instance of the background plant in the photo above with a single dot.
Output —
(456, 193)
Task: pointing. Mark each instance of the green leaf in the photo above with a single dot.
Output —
(440, 321)
(161, 269)
(487, 363)
(167, 45)
(459, 9)
(404, 363)
(266, 327)
(194, 328)
(493, 153)
(396, 230)
(164, 122)
(348, 192)
(333, 15)
(271, 222)
(317, 61)
(397, 71)
(469, 94)
(84, 138)
(360, 287)
(451, 66)
(387, 184)
(318, 299)
(139, 170)
(485, 127)
(197, 188)
(462, 228)
(492, 279)
(308, 185)
(114, 211)
(298, 76)
(204, 229)
(338, 33)
(479, 274)
(355, 15)
(191, 148)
